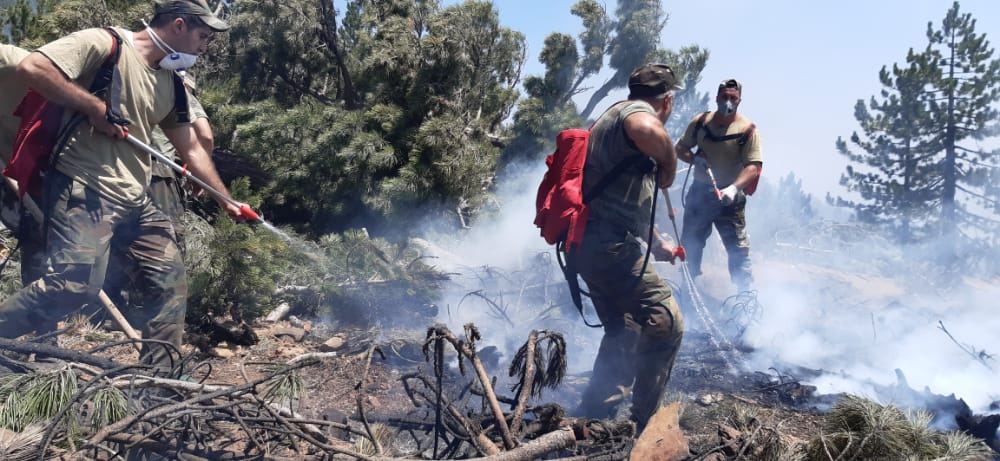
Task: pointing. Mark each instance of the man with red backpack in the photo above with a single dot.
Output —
(727, 167)
(95, 193)
(642, 322)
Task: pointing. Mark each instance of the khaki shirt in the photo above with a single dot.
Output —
(115, 169)
(12, 91)
(727, 158)
(627, 201)
(162, 144)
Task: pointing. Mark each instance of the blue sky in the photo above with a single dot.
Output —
(803, 64)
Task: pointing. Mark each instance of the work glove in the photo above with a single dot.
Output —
(729, 194)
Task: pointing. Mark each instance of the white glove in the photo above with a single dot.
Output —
(729, 194)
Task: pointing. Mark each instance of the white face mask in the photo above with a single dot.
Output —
(727, 108)
(173, 60)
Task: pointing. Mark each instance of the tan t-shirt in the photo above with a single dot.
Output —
(12, 91)
(162, 144)
(115, 169)
(727, 158)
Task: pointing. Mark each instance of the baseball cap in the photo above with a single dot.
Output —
(731, 83)
(193, 7)
(651, 80)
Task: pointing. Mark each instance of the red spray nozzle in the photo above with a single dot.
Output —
(247, 213)
(680, 253)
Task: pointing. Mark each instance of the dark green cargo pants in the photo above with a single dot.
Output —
(643, 326)
(82, 229)
(702, 210)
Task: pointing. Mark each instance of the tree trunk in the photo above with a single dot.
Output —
(599, 95)
(949, 225)
(909, 169)
(329, 34)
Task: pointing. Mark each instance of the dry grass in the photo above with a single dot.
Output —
(859, 428)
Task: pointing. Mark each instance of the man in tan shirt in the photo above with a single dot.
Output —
(729, 144)
(96, 195)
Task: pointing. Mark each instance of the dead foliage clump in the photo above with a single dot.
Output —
(858, 428)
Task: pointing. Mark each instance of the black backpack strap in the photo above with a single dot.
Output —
(182, 108)
(699, 125)
(107, 84)
(745, 137)
(568, 266)
(615, 172)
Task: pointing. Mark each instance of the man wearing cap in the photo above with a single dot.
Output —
(642, 322)
(96, 193)
(728, 144)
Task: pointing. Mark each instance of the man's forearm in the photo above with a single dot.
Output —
(748, 175)
(200, 164)
(40, 74)
(684, 153)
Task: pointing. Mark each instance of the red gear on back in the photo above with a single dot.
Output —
(36, 138)
(561, 213)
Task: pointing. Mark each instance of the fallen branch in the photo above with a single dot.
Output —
(476, 435)
(56, 352)
(979, 356)
(527, 384)
(561, 439)
(469, 352)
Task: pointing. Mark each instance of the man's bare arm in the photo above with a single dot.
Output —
(684, 152)
(203, 132)
(747, 175)
(199, 161)
(647, 132)
(40, 74)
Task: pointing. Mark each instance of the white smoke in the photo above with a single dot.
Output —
(850, 311)
(504, 259)
(856, 308)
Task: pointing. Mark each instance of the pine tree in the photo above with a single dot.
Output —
(636, 36)
(393, 113)
(687, 63)
(963, 94)
(548, 107)
(896, 176)
(628, 42)
(924, 172)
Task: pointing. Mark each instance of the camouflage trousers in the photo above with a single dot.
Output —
(82, 229)
(122, 281)
(702, 210)
(642, 322)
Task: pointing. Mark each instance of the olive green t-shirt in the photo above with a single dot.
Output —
(115, 169)
(626, 202)
(162, 144)
(727, 158)
(12, 91)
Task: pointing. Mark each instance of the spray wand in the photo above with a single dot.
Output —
(711, 175)
(246, 212)
(679, 251)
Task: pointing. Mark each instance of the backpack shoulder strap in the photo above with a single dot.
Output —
(699, 124)
(182, 108)
(745, 137)
(610, 176)
(108, 82)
